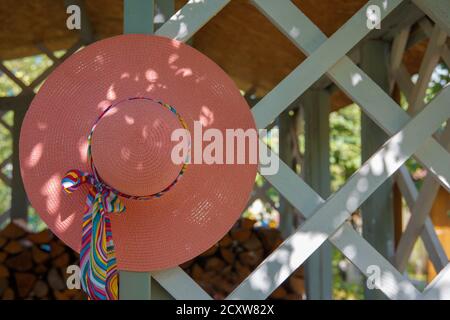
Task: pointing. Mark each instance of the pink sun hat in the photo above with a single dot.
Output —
(100, 129)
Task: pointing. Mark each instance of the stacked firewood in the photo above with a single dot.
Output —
(220, 269)
(33, 265)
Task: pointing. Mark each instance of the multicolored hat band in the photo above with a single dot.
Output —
(99, 277)
(101, 126)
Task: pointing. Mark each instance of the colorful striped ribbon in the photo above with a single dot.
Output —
(99, 276)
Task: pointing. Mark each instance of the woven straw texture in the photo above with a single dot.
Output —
(131, 150)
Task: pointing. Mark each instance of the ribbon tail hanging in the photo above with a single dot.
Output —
(99, 276)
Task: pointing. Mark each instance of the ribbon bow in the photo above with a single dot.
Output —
(99, 277)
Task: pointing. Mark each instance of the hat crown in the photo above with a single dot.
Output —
(131, 147)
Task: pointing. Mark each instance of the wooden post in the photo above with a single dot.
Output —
(377, 211)
(137, 18)
(285, 150)
(134, 285)
(19, 202)
(316, 172)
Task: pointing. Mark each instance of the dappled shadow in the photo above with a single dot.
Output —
(110, 72)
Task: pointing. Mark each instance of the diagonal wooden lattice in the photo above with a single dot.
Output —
(327, 219)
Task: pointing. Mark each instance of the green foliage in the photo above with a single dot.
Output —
(343, 290)
(439, 79)
(345, 144)
(29, 68)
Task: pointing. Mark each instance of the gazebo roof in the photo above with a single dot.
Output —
(240, 39)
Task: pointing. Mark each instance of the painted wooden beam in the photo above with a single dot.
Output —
(404, 82)
(332, 214)
(350, 79)
(138, 16)
(307, 201)
(4, 123)
(56, 62)
(429, 237)
(403, 17)
(179, 284)
(86, 32)
(421, 206)
(134, 285)
(49, 53)
(393, 284)
(419, 214)
(326, 54)
(19, 200)
(6, 180)
(438, 10)
(397, 51)
(158, 292)
(435, 250)
(316, 172)
(164, 10)
(13, 77)
(287, 215)
(171, 283)
(378, 210)
(430, 60)
(439, 288)
(190, 18)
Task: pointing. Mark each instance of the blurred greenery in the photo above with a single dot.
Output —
(345, 144)
(342, 289)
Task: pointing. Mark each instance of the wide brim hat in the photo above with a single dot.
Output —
(140, 80)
